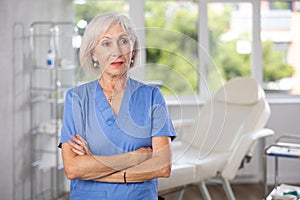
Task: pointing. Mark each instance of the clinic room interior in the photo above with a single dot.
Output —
(229, 72)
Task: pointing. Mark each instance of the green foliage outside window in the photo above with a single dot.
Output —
(91, 9)
(231, 64)
(172, 48)
(274, 66)
(177, 64)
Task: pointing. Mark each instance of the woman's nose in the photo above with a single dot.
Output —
(117, 51)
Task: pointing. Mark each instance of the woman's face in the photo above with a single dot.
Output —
(114, 51)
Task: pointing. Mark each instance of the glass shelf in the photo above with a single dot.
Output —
(286, 146)
(279, 192)
(48, 86)
(59, 67)
(38, 99)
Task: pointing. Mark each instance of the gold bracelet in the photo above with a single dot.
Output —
(125, 177)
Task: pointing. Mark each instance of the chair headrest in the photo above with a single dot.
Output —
(240, 90)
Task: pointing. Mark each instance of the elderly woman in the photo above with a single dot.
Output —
(116, 131)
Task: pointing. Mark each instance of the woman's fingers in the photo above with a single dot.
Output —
(76, 139)
(80, 145)
(79, 137)
(78, 152)
(77, 147)
(84, 144)
(79, 140)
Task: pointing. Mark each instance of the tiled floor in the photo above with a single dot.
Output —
(241, 191)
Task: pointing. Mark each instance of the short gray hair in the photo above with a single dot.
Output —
(98, 26)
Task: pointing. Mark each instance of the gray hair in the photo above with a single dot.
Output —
(97, 27)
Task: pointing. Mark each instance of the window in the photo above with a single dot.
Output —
(280, 61)
(86, 10)
(193, 47)
(230, 42)
(171, 46)
(232, 49)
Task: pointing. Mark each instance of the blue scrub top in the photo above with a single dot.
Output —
(142, 115)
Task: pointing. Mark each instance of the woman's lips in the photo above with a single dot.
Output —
(116, 64)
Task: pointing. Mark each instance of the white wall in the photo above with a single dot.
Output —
(285, 119)
(16, 17)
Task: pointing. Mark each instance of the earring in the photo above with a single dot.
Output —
(96, 64)
(132, 61)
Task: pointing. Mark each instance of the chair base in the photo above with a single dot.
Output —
(179, 194)
(204, 190)
(226, 187)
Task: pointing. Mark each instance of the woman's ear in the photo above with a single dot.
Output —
(94, 58)
(132, 58)
(133, 54)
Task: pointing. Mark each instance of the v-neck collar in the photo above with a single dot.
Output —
(103, 106)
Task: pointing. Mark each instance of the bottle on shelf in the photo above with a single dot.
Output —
(50, 58)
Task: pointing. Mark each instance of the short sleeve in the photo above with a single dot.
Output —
(161, 122)
(72, 117)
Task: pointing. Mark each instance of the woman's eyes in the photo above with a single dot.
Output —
(106, 44)
(122, 41)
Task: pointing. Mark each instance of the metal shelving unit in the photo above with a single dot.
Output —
(286, 146)
(48, 84)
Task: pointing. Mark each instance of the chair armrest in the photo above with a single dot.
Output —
(241, 149)
(256, 136)
(261, 133)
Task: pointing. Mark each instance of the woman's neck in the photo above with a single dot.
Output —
(113, 83)
(113, 89)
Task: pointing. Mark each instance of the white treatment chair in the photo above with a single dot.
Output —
(221, 137)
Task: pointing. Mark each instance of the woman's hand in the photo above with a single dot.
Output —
(141, 154)
(157, 166)
(80, 163)
(80, 145)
